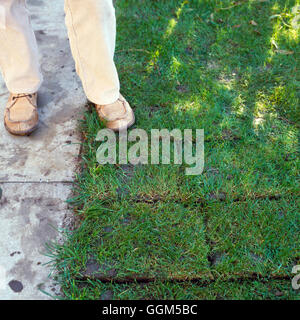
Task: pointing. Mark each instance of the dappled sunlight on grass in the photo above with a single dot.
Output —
(282, 31)
(197, 64)
(258, 122)
(175, 67)
(171, 26)
(153, 61)
(169, 30)
(173, 22)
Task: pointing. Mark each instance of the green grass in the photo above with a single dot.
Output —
(196, 64)
(247, 290)
(259, 237)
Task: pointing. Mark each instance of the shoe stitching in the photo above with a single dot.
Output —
(15, 99)
(117, 119)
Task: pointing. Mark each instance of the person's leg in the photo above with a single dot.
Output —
(18, 49)
(92, 33)
(19, 63)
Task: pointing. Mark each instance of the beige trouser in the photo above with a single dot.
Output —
(92, 31)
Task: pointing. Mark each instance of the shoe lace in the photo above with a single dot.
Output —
(21, 95)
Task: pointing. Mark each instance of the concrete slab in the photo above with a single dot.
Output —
(34, 170)
(31, 215)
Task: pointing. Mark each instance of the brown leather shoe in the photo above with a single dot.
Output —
(117, 116)
(21, 116)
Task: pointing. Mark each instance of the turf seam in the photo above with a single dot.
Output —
(204, 202)
(201, 202)
(205, 282)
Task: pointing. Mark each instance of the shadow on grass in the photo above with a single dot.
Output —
(202, 64)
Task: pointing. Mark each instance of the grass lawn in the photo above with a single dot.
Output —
(152, 232)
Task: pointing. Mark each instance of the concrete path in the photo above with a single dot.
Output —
(36, 172)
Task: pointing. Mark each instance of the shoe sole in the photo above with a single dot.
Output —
(21, 133)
